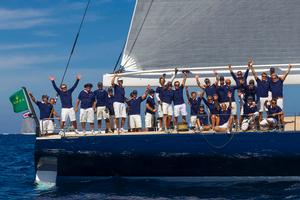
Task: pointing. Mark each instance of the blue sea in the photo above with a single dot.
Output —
(17, 182)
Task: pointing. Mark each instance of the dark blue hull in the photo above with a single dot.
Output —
(244, 154)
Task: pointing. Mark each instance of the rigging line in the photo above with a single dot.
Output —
(75, 42)
(119, 58)
(143, 22)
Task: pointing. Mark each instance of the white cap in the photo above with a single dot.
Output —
(120, 79)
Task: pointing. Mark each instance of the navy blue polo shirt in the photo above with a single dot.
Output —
(273, 110)
(110, 104)
(203, 117)
(276, 88)
(134, 106)
(211, 90)
(65, 97)
(119, 93)
(211, 106)
(87, 99)
(249, 109)
(101, 97)
(178, 96)
(159, 91)
(168, 96)
(151, 102)
(195, 105)
(231, 89)
(224, 116)
(250, 92)
(263, 87)
(45, 109)
(222, 92)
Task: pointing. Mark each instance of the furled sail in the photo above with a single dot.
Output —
(200, 33)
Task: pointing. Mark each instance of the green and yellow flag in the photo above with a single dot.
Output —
(19, 101)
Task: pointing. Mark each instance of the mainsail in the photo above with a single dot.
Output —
(198, 33)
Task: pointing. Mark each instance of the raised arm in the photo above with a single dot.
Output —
(184, 78)
(198, 82)
(32, 97)
(253, 72)
(187, 93)
(52, 79)
(146, 92)
(286, 73)
(217, 78)
(174, 75)
(232, 73)
(113, 80)
(78, 77)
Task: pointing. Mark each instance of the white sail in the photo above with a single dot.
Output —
(198, 33)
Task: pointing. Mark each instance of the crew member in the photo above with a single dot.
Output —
(150, 111)
(202, 120)
(65, 95)
(194, 106)
(87, 98)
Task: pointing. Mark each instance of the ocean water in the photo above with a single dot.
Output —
(17, 182)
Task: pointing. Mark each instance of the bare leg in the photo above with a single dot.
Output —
(165, 121)
(123, 122)
(184, 119)
(117, 123)
(83, 125)
(175, 122)
(161, 122)
(74, 124)
(99, 124)
(230, 124)
(107, 124)
(62, 125)
(213, 121)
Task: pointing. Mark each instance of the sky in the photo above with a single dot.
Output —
(36, 38)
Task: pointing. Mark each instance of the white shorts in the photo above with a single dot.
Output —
(46, 126)
(225, 125)
(268, 121)
(167, 109)
(193, 120)
(149, 120)
(68, 112)
(120, 110)
(261, 105)
(160, 111)
(87, 115)
(102, 113)
(280, 103)
(233, 107)
(135, 121)
(180, 110)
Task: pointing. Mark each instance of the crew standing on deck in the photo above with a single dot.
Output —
(87, 99)
(134, 110)
(179, 104)
(65, 95)
(150, 111)
(194, 106)
(119, 103)
(276, 86)
(101, 97)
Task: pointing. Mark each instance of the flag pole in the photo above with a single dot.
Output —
(34, 116)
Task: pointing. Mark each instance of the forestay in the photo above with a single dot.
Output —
(198, 33)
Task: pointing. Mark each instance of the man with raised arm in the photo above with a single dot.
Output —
(276, 86)
(101, 97)
(179, 104)
(65, 96)
(275, 115)
(134, 110)
(263, 87)
(160, 97)
(239, 78)
(46, 123)
(194, 106)
(213, 107)
(119, 103)
(210, 90)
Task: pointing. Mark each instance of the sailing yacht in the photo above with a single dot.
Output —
(199, 36)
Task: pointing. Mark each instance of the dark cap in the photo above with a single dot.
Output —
(88, 85)
(99, 84)
(250, 98)
(222, 78)
(45, 96)
(109, 89)
(134, 92)
(201, 106)
(151, 91)
(251, 81)
(206, 80)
